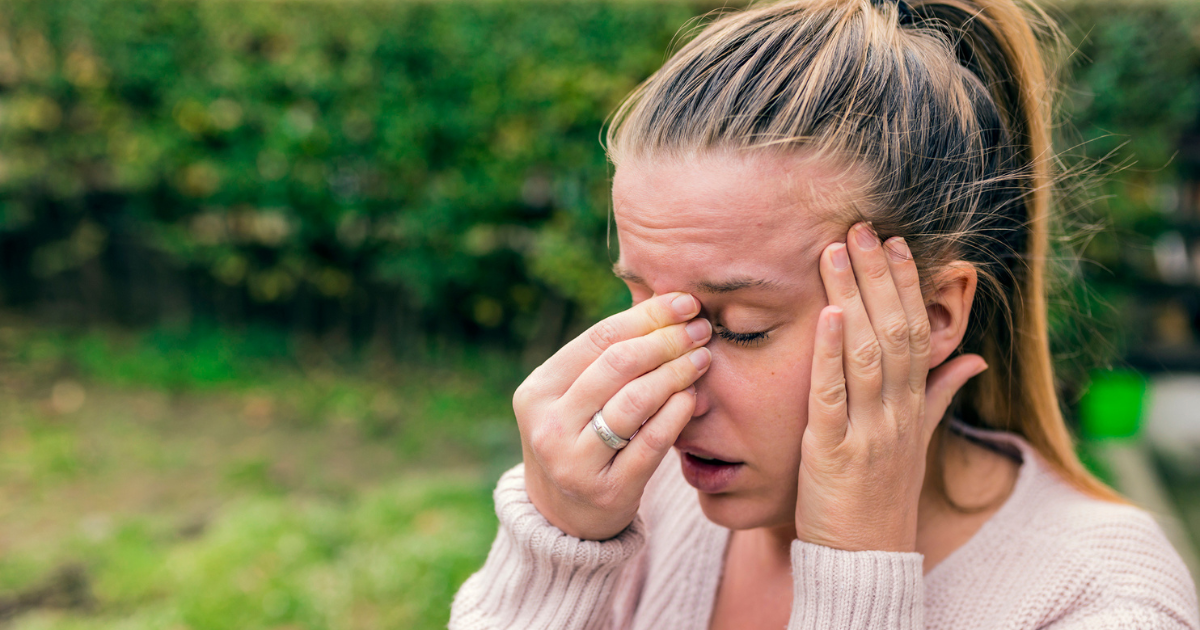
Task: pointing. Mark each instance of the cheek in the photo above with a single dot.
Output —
(764, 392)
(639, 293)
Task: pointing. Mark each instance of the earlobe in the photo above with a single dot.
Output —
(949, 309)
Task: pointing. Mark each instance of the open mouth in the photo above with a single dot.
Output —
(709, 474)
(709, 461)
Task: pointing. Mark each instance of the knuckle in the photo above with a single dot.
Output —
(541, 438)
(603, 335)
(523, 399)
(673, 340)
(895, 333)
(832, 396)
(877, 272)
(654, 441)
(621, 358)
(683, 372)
(660, 314)
(634, 402)
(849, 291)
(919, 336)
(907, 281)
(867, 355)
(679, 340)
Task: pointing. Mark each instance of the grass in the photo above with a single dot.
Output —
(250, 490)
(193, 480)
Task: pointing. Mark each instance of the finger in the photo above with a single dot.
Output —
(560, 370)
(640, 399)
(861, 354)
(944, 382)
(635, 463)
(908, 285)
(827, 414)
(884, 309)
(629, 359)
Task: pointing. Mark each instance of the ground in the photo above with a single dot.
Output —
(278, 497)
(207, 480)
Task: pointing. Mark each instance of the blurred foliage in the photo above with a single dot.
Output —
(1134, 93)
(391, 557)
(369, 166)
(139, 492)
(456, 407)
(1131, 98)
(382, 170)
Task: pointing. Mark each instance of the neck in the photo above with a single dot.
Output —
(772, 544)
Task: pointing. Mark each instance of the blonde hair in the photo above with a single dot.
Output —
(946, 106)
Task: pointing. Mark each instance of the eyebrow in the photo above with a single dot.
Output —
(728, 285)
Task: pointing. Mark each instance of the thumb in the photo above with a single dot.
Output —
(945, 381)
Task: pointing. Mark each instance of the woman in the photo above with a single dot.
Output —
(833, 219)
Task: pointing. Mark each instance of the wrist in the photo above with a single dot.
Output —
(890, 537)
(578, 521)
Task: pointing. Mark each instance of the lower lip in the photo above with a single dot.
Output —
(708, 477)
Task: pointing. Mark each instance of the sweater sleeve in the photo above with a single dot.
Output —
(537, 576)
(856, 590)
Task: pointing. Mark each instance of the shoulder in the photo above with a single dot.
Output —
(1120, 552)
(1113, 537)
(1071, 554)
(1112, 561)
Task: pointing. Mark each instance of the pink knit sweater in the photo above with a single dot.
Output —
(1049, 558)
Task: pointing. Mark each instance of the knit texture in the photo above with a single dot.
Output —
(1051, 557)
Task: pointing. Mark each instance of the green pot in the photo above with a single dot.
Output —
(1112, 406)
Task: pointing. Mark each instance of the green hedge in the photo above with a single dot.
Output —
(381, 169)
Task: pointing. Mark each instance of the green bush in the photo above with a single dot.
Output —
(390, 169)
(369, 165)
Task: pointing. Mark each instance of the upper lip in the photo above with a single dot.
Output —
(699, 451)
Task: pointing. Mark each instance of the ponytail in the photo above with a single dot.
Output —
(996, 40)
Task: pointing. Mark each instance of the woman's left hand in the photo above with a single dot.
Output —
(874, 403)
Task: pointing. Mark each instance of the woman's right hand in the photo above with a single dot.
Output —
(638, 367)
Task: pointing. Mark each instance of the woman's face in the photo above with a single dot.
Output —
(743, 234)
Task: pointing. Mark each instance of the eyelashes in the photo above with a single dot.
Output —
(747, 339)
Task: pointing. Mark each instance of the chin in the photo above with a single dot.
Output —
(733, 511)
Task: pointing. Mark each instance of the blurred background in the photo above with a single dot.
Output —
(270, 271)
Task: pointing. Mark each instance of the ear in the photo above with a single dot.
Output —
(949, 308)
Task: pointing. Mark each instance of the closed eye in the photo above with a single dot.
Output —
(748, 339)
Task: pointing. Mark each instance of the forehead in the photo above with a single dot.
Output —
(760, 216)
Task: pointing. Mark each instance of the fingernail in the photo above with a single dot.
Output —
(835, 319)
(698, 329)
(691, 389)
(840, 259)
(700, 358)
(866, 237)
(685, 305)
(980, 370)
(897, 249)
